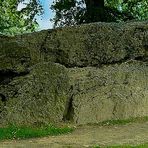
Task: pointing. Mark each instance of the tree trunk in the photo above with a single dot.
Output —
(94, 10)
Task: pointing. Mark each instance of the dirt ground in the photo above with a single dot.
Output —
(87, 136)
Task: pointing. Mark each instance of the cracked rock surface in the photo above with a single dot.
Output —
(118, 91)
(85, 74)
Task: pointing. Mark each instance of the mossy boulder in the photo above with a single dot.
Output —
(97, 43)
(85, 74)
(39, 96)
(20, 52)
(118, 91)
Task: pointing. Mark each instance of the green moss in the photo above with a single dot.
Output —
(41, 95)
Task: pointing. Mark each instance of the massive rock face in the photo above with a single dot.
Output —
(96, 44)
(117, 91)
(85, 74)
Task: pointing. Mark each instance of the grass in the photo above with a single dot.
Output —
(23, 132)
(124, 146)
(15, 132)
(122, 122)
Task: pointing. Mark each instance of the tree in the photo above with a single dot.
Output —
(71, 12)
(13, 20)
(94, 10)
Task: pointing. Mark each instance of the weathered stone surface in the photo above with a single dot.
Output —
(98, 43)
(39, 96)
(85, 74)
(118, 91)
(20, 52)
(85, 45)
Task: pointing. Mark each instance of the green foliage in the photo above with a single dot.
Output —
(138, 9)
(13, 20)
(72, 12)
(15, 132)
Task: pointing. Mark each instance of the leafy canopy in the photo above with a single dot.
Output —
(71, 12)
(68, 12)
(13, 20)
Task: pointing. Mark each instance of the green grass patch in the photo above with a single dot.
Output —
(121, 122)
(22, 132)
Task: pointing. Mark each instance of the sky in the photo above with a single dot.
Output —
(44, 20)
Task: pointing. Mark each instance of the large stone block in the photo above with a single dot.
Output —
(17, 53)
(112, 92)
(39, 96)
(98, 43)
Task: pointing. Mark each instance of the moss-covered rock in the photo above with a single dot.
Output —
(87, 74)
(118, 91)
(40, 96)
(98, 43)
(20, 52)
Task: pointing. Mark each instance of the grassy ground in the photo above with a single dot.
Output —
(23, 132)
(15, 132)
(125, 146)
(103, 136)
(122, 122)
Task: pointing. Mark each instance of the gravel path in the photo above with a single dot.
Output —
(85, 136)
